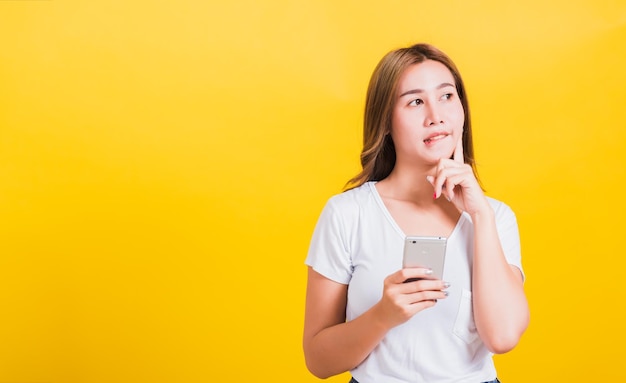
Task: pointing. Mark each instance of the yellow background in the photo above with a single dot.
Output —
(163, 163)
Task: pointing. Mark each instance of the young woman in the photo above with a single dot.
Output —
(418, 178)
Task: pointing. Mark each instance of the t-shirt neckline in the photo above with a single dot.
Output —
(394, 224)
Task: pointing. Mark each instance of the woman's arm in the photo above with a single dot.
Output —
(499, 303)
(500, 307)
(332, 345)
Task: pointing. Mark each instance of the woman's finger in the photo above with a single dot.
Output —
(458, 151)
(440, 178)
(408, 273)
(445, 170)
(450, 185)
(426, 295)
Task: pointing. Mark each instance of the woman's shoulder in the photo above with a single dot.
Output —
(355, 195)
(352, 200)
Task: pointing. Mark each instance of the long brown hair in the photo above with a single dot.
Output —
(378, 156)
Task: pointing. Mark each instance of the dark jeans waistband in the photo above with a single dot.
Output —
(492, 381)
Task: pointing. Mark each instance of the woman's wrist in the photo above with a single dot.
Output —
(379, 320)
(485, 213)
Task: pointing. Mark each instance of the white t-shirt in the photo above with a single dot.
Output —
(357, 242)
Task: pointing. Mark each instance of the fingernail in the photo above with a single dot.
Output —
(446, 293)
(435, 195)
(428, 272)
(446, 285)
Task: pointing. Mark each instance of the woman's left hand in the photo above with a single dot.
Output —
(456, 181)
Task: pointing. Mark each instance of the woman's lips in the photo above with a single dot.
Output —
(435, 137)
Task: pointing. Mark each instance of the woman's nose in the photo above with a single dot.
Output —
(433, 116)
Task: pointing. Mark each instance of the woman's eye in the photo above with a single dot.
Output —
(416, 102)
(447, 96)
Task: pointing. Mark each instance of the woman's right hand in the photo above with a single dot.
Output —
(402, 298)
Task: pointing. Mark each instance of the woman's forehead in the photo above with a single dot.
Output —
(425, 76)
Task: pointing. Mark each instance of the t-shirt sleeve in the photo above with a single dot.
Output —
(509, 235)
(329, 252)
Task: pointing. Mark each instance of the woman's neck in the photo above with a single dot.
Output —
(408, 184)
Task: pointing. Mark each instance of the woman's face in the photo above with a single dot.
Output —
(428, 116)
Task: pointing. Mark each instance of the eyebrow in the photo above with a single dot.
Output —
(413, 91)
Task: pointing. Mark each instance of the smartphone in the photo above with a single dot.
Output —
(427, 252)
